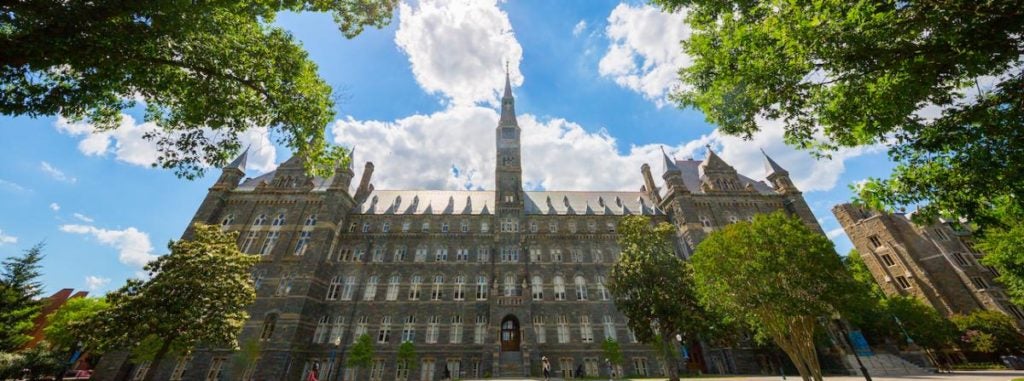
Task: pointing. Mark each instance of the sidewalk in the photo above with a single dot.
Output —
(1001, 375)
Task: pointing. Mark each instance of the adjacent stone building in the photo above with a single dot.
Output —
(483, 283)
(937, 264)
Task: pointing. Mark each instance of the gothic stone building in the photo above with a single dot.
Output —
(937, 264)
(483, 283)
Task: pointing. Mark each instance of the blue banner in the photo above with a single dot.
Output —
(860, 344)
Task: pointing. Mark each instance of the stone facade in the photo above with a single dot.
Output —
(484, 283)
(937, 263)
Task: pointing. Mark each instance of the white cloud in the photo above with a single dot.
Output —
(95, 283)
(835, 233)
(644, 54)
(7, 239)
(454, 149)
(458, 48)
(54, 207)
(82, 217)
(55, 173)
(13, 186)
(132, 245)
(127, 144)
(579, 28)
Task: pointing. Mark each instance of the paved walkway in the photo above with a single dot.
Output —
(1004, 375)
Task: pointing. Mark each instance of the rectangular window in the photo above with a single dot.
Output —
(462, 255)
(250, 239)
(432, 329)
(366, 227)
(538, 329)
(640, 365)
(414, 287)
(903, 282)
(427, 370)
(979, 283)
(370, 293)
(598, 255)
(334, 289)
(485, 227)
(393, 285)
(303, 243)
(1015, 311)
(337, 330)
(437, 292)
(556, 255)
(586, 331)
(444, 227)
(480, 331)
(602, 291)
(216, 368)
(425, 227)
(455, 336)
(377, 370)
(409, 329)
(378, 255)
(483, 254)
(510, 254)
(361, 329)
(441, 254)
(993, 271)
(401, 370)
(609, 328)
(357, 254)
(349, 288)
(481, 287)
(421, 255)
(406, 225)
(268, 244)
(179, 368)
(323, 329)
(535, 253)
(400, 254)
(385, 227)
(553, 227)
(577, 255)
(960, 260)
(563, 329)
(887, 260)
(941, 234)
(565, 367)
(459, 293)
(464, 226)
(384, 334)
(591, 367)
(875, 242)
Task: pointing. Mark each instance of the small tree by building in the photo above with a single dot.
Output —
(196, 295)
(988, 332)
(654, 288)
(406, 356)
(361, 355)
(778, 277)
(19, 293)
(612, 351)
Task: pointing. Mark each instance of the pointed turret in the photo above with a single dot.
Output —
(668, 164)
(771, 167)
(778, 176)
(508, 104)
(233, 173)
(239, 162)
(713, 162)
(672, 175)
(717, 175)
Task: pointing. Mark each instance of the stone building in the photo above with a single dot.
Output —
(937, 264)
(483, 283)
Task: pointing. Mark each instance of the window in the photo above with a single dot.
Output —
(257, 278)
(559, 286)
(609, 328)
(510, 284)
(444, 227)
(378, 254)
(441, 254)
(572, 227)
(344, 254)
(216, 368)
(227, 221)
(385, 226)
(140, 371)
(591, 366)
(480, 331)
(510, 254)
(370, 293)
(357, 254)
(483, 254)
(598, 255)
(303, 243)
(970, 247)
(875, 242)
(563, 329)
(460, 285)
(352, 227)
(565, 367)
(437, 292)
(400, 253)
(537, 286)
(337, 330)
(640, 365)
(414, 287)
(602, 291)
(979, 283)
(425, 226)
(1015, 311)
(432, 329)
(887, 260)
(485, 227)
(553, 227)
(360, 329)
(377, 370)
(284, 286)
(577, 255)
(993, 271)
(179, 368)
(534, 227)
(462, 255)
(454, 367)
(384, 333)
(310, 221)
(591, 226)
(903, 282)
(406, 225)
(259, 221)
(401, 370)
(269, 323)
(269, 242)
(481, 287)
(632, 335)
(455, 336)
(250, 239)
(409, 329)
(581, 288)
(538, 329)
(427, 370)
(349, 288)
(941, 234)
(609, 226)
(960, 260)
(586, 331)
(323, 329)
(334, 289)
(421, 255)
(556, 255)
(366, 227)
(535, 253)
(464, 226)
(393, 285)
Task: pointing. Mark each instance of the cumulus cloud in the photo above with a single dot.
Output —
(458, 48)
(133, 246)
(835, 233)
(127, 144)
(644, 54)
(95, 283)
(7, 239)
(82, 217)
(55, 173)
(579, 28)
(54, 207)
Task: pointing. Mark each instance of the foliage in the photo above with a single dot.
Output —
(778, 277)
(247, 355)
(988, 332)
(19, 291)
(640, 281)
(63, 327)
(921, 322)
(196, 295)
(406, 352)
(1002, 246)
(39, 361)
(361, 354)
(612, 351)
(905, 74)
(860, 273)
(206, 71)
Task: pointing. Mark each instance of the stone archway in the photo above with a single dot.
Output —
(510, 336)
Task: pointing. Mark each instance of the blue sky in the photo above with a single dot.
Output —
(417, 99)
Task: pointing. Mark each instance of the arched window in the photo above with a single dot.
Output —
(393, 285)
(228, 220)
(510, 284)
(278, 221)
(481, 287)
(334, 289)
(581, 288)
(323, 329)
(370, 292)
(602, 291)
(269, 323)
(437, 292)
(414, 287)
(559, 285)
(460, 285)
(257, 279)
(259, 221)
(349, 288)
(537, 284)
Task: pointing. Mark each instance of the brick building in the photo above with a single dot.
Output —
(937, 264)
(483, 283)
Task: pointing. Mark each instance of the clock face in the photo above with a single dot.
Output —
(507, 160)
(508, 133)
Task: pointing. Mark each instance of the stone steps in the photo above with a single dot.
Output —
(884, 364)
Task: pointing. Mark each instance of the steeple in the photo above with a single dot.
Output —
(672, 175)
(508, 174)
(508, 104)
(668, 164)
(771, 167)
(778, 176)
(232, 174)
(239, 162)
(713, 162)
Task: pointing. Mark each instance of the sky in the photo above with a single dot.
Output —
(419, 99)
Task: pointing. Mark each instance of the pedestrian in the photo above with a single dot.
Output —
(611, 371)
(314, 373)
(447, 373)
(546, 366)
(579, 371)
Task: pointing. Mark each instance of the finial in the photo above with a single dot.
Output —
(708, 146)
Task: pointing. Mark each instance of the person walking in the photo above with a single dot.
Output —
(546, 366)
(611, 370)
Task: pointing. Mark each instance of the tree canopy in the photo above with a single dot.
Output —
(196, 295)
(654, 288)
(361, 354)
(777, 276)
(206, 71)
(63, 329)
(938, 83)
(988, 332)
(19, 291)
(1003, 245)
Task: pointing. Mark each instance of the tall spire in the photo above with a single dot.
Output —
(771, 167)
(668, 164)
(239, 162)
(508, 84)
(508, 104)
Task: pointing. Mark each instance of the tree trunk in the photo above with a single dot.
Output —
(154, 366)
(670, 358)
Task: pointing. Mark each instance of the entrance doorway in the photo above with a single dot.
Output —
(510, 334)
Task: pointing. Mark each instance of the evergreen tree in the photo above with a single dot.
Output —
(19, 293)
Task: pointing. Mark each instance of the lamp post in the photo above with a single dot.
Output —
(846, 339)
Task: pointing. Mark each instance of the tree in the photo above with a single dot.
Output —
(778, 277)
(1002, 246)
(19, 293)
(361, 354)
(905, 74)
(654, 288)
(206, 71)
(63, 330)
(196, 295)
(406, 355)
(988, 332)
(612, 351)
